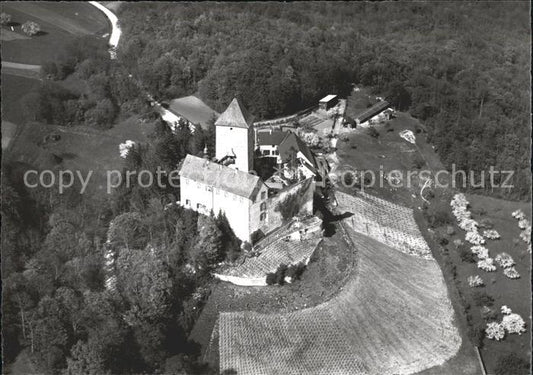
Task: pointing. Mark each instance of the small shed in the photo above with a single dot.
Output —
(328, 102)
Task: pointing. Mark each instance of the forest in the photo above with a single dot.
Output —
(462, 68)
(75, 313)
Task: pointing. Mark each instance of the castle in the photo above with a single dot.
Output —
(229, 184)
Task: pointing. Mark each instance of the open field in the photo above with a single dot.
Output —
(6, 35)
(193, 109)
(378, 324)
(79, 148)
(14, 88)
(60, 23)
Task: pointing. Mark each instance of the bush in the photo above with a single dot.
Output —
(373, 132)
(466, 255)
(442, 241)
(31, 28)
(295, 271)
(476, 333)
(5, 18)
(511, 364)
(271, 278)
(416, 161)
(257, 236)
(486, 223)
(280, 274)
(489, 314)
(438, 214)
(482, 299)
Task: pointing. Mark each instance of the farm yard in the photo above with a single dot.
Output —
(367, 328)
(358, 151)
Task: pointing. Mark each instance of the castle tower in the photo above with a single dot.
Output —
(235, 136)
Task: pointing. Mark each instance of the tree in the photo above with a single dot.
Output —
(398, 96)
(231, 244)
(144, 281)
(86, 358)
(290, 206)
(208, 247)
(127, 230)
(31, 28)
(5, 18)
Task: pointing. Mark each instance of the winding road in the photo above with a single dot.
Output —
(116, 32)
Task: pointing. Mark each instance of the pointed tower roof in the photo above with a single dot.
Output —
(235, 115)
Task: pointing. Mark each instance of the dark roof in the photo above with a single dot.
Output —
(372, 111)
(292, 143)
(274, 137)
(235, 115)
(221, 177)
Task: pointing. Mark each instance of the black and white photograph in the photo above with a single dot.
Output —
(266, 187)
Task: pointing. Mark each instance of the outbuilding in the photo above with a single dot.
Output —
(328, 102)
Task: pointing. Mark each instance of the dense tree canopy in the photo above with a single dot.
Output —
(56, 300)
(461, 68)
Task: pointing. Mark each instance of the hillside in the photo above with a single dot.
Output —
(367, 329)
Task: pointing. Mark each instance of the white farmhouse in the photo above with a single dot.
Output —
(206, 187)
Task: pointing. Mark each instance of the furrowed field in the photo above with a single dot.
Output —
(379, 324)
(392, 316)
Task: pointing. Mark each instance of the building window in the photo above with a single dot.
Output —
(263, 195)
(263, 206)
(187, 202)
(266, 152)
(275, 152)
(263, 216)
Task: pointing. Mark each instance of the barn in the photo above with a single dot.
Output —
(373, 113)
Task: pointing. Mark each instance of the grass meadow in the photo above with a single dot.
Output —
(60, 23)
